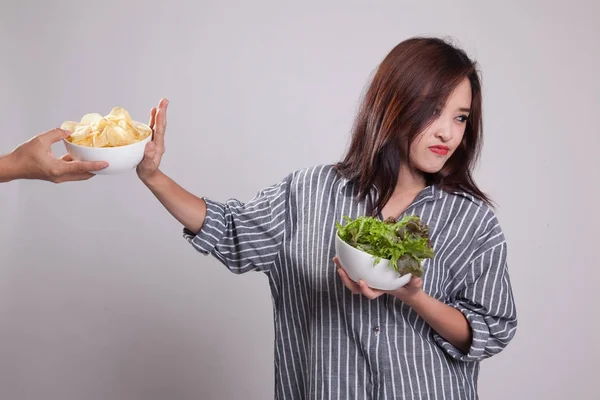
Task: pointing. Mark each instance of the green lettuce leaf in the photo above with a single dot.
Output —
(405, 242)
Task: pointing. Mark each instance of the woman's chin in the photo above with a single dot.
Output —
(430, 169)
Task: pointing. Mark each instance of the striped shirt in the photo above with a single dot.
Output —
(331, 344)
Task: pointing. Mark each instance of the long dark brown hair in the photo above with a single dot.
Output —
(413, 81)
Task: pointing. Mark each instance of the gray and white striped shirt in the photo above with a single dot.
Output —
(331, 344)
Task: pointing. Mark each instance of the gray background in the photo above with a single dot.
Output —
(101, 298)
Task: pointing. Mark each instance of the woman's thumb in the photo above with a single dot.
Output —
(150, 150)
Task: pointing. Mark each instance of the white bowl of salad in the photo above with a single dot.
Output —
(383, 254)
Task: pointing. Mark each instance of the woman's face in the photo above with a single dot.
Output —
(430, 150)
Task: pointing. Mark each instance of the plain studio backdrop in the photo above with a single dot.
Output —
(102, 298)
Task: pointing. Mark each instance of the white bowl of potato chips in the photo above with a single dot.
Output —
(114, 138)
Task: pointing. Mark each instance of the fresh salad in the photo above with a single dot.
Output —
(405, 242)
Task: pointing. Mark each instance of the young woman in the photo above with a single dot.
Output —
(414, 143)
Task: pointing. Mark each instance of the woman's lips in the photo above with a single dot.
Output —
(441, 150)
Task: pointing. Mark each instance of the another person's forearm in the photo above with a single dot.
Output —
(447, 321)
(188, 209)
(9, 169)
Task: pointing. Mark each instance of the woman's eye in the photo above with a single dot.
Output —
(462, 118)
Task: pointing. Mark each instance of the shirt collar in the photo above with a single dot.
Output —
(431, 192)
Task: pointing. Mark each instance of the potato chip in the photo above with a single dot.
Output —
(69, 126)
(119, 113)
(103, 123)
(81, 132)
(118, 136)
(91, 119)
(112, 130)
(88, 141)
(143, 130)
(99, 139)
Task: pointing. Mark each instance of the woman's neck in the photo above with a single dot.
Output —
(409, 181)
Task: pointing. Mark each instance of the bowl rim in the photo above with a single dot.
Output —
(107, 148)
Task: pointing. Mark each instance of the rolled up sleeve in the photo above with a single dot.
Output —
(487, 303)
(244, 236)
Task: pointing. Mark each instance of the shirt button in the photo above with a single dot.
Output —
(376, 329)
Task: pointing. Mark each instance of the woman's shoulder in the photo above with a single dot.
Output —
(478, 217)
(315, 176)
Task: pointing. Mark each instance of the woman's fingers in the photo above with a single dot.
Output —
(357, 288)
(354, 288)
(349, 283)
(161, 125)
(152, 118)
(415, 282)
(368, 292)
(149, 155)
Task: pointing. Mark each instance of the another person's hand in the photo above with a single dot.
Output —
(34, 160)
(406, 293)
(148, 167)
